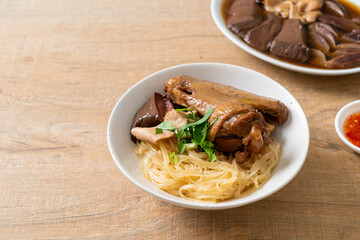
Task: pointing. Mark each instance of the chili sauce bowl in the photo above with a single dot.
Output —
(340, 119)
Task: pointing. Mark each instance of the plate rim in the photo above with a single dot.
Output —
(215, 8)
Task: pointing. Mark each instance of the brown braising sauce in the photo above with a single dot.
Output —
(352, 9)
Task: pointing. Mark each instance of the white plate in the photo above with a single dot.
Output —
(219, 21)
(293, 135)
(341, 117)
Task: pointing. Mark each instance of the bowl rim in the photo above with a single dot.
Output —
(216, 13)
(339, 129)
(198, 205)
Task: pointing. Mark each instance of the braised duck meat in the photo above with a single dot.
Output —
(290, 43)
(261, 36)
(305, 32)
(243, 16)
(243, 119)
(182, 89)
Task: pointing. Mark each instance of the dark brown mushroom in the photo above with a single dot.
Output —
(152, 112)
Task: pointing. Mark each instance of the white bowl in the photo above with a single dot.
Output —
(340, 119)
(220, 23)
(293, 135)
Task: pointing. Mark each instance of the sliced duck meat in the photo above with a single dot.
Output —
(240, 119)
(152, 112)
(243, 16)
(338, 22)
(290, 43)
(228, 144)
(188, 91)
(318, 42)
(261, 36)
(352, 37)
(255, 138)
(347, 60)
(237, 119)
(335, 8)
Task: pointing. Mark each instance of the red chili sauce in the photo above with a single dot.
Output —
(352, 129)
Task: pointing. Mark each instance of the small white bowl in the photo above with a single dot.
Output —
(293, 135)
(216, 13)
(340, 119)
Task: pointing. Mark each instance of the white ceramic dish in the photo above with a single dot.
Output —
(340, 119)
(293, 135)
(220, 23)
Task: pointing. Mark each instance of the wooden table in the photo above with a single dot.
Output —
(63, 66)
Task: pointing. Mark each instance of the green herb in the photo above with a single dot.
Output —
(166, 126)
(191, 115)
(158, 131)
(209, 149)
(190, 146)
(173, 157)
(203, 119)
(192, 135)
(213, 121)
(199, 132)
(181, 146)
(188, 133)
(184, 110)
(180, 134)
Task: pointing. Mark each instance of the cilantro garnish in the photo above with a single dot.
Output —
(165, 126)
(192, 135)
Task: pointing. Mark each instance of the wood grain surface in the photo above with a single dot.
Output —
(63, 66)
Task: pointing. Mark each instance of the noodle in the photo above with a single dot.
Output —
(195, 178)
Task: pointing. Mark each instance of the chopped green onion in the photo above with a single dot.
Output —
(173, 157)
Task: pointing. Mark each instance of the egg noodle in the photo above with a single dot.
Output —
(194, 177)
